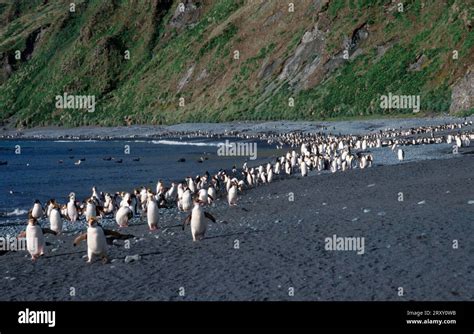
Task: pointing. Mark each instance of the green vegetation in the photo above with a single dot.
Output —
(83, 53)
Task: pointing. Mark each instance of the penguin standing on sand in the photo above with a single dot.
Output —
(123, 215)
(72, 211)
(401, 154)
(37, 210)
(35, 242)
(152, 212)
(55, 219)
(96, 240)
(232, 194)
(186, 200)
(197, 221)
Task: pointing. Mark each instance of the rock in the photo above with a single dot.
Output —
(132, 258)
(186, 14)
(462, 95)
(186, 78)
(416, 66)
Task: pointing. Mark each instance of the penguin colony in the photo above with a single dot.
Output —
(309, 152)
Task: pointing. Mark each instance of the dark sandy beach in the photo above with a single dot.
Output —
(408, 244)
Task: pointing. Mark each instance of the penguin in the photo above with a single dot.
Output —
(34, 235)
(97, 240)
(55, 220)
(49, 206)
(303, 168)
(37, 210)
(203, 196)
(72, 211)
(211, 194)
(197, 221)
(152, 212)
(186, 200)
(401, 154)
(232, 195)
(91, 209)
(123, 215)
(172, 193)
(108, 204)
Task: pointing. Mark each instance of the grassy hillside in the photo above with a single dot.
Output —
(229, 59)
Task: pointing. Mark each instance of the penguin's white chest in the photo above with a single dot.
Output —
(90, 211)
(122, 215)
(96, 242)
(34, 240)
(37, 212)
(186, 201)
(152, 213)
(72, 211)
(198, 223)
(55, 221)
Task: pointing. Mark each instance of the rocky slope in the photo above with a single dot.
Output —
(163, 62)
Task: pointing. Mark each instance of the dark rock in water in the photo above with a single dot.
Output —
(3, 163)
(182, 160)
(82, 159)
(119, 161)
(136, 159)
(107, 158)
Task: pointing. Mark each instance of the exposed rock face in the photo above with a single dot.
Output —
(420, 61)
(186, 14)
(6, 68)
(462, 95)
(305, 59)
(186, 78)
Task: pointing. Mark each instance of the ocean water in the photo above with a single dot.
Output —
(38, 173)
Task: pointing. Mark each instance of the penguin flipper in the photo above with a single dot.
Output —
(47, 230)
(80, 238)
(209, 216)
(210, 197)
(187, 221)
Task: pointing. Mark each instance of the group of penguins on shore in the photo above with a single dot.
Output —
(316, 152)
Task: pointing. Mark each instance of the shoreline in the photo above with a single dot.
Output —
(223, 129)
(282, 245)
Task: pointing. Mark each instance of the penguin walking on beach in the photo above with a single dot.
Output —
(91, 209)
(401, 154)
(96, 240)
(37, 210)
(186, 200)
(123, 215)
(232, 195)
(197, 221)
(72, 210)
(55, 220)
(34, 235)
(152, 212)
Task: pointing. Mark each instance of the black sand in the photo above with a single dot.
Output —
(281, 245)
